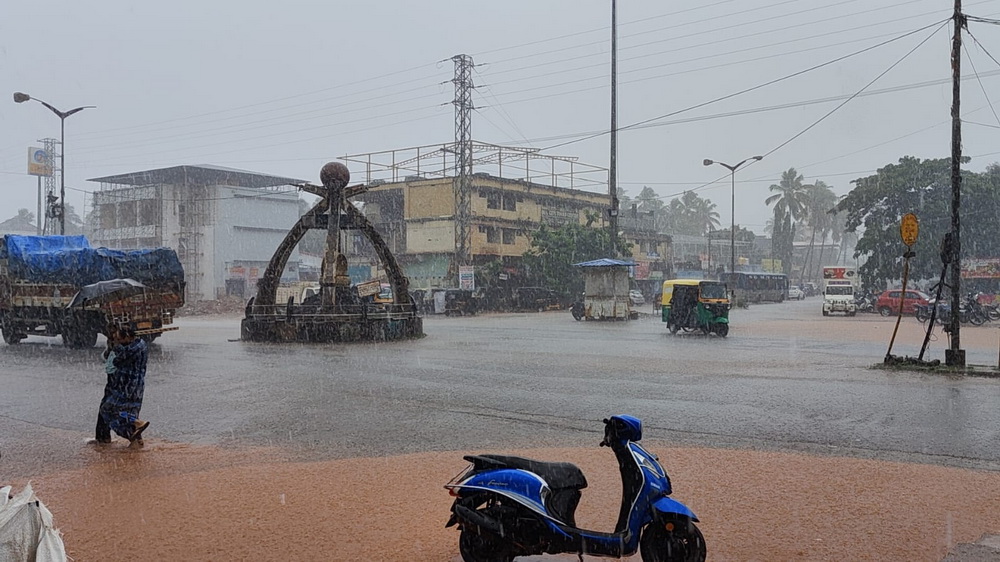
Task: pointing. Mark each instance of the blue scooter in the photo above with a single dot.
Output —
(509, 506)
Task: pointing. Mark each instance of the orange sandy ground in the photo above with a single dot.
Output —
(183, 502)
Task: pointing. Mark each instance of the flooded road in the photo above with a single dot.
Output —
(253, 447)
(785, 379)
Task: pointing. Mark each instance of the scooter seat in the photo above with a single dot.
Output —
(558, 475)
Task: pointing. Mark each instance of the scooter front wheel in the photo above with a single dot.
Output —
(478, 546)
(683, 543)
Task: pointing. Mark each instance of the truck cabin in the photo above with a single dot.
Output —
(839, 288)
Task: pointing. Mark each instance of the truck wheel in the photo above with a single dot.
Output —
(825, 313)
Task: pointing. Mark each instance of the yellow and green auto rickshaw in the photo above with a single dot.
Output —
(693, 304)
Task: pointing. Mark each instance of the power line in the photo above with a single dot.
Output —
(753, 88)
(89, 150)
(250, 126)
(657, 30)
(723, 40)
(818, 121)
(856, 94)
(266, 102)
(595, 30)
(985, 95)
(285, 118)
(296, 141)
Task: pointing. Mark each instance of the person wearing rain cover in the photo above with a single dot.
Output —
(125, 363)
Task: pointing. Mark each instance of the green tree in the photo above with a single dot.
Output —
(549, 262)
(877, 203)
(691, 215)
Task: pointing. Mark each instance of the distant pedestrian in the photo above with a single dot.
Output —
(125, 364)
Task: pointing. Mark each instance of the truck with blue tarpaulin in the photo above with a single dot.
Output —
(39, 276)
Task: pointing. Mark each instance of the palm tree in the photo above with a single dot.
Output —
(817, 202)
(789, 194)
(704, 216)
(789, 205)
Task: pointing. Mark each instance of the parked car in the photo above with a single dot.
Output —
(636, 297)
(888, 302)
(796, 293)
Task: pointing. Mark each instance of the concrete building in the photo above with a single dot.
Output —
(224, 223)
(414, 194)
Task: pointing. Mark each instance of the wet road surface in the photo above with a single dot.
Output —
(785, 379)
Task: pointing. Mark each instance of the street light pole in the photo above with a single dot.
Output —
(20, 97)
(732, 226)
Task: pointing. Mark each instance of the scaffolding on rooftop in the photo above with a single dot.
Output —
(509, 162)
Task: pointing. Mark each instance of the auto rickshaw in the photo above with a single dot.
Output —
(692, 304)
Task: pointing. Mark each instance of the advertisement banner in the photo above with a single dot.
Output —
(467, 277)
(981, 268)
(39, 162)
(771, 266)
(642, 270)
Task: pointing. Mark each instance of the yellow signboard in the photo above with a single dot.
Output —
(909, 229)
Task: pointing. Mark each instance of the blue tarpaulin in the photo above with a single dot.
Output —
(71, 260)
(605, 262)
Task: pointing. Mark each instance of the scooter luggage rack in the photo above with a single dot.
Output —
(453, 483)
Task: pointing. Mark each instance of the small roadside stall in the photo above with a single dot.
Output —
(606, 287)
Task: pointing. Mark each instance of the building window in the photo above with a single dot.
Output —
(509, 234)
(492, 235)
(509, 202)
(127, 214)
(492, 200)
(149, 212)
(107, 215)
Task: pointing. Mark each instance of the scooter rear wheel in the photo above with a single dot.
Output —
(482, 547)
(657, 544)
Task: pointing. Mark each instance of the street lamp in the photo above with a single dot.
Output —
(20, 97)
(732, 227)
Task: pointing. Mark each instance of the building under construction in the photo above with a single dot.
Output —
(223, 222)
(415, 199)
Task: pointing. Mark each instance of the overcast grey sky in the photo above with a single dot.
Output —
(282, 87)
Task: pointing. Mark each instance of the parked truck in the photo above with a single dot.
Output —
(39, 276)
(839, 285)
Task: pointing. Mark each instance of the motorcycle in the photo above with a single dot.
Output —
(509, 506)
(865, 302)
(578, 310)
(969, 312)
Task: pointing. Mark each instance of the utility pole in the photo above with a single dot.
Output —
(955, 356)
(463, 157)
(613, 168)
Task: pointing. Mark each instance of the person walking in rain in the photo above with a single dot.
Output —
(125, 364)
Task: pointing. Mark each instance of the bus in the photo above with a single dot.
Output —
(756, 286)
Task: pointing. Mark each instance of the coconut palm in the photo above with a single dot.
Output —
(703, 215)
(817, 202)
(788, 200)
(789, 195)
